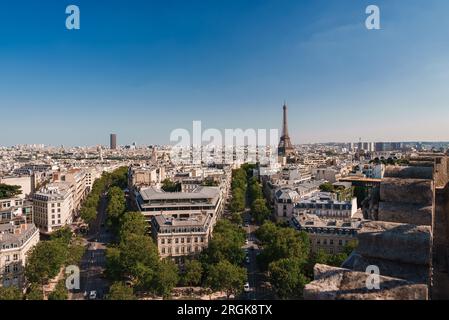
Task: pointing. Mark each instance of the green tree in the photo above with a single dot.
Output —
(236, 218)
(139, 258)
(76, 253)
(260, 211)
(120, 291)
(287, 279)
(170, 186)
(327, 187)
(193, 272)
(45, 261)
(349, 247)
(224, 276)
(267, 232)
(133, 223)
(7, 191)
(35, 292)
(285, 243)
(116, 206)
(60, 292)
(10, 293)
(64, 234)
(238, 200)
(114, 269)
(226, 244)
(88, 213)
(165, 278)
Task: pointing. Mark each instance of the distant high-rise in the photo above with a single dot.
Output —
(113, 143)
(285, 147)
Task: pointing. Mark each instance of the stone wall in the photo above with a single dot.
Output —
(410, 208)
(342, 284)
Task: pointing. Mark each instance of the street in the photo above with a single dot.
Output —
(256, 278)
(94, 260)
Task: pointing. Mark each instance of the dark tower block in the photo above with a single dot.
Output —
(285, 147)
(113, 141)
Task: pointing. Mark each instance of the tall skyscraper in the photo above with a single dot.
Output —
(285, 147)
(113, 142)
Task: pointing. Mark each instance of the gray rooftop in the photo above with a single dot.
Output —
(152, 193)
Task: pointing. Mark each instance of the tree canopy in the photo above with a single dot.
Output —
(120, 291)
(227, 277)
(8, 191)
(10, 293)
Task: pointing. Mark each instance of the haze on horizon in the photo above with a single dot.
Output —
(143, 69)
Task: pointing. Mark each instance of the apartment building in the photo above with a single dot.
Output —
(12, 208)
(329, 235)
(145, 176)
(16, 241)
(53, 206)
(178, 238)
(325, 205)
(25, 181)
(77, 179)
(92, 174)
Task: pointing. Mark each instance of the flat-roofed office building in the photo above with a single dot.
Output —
(181, 222)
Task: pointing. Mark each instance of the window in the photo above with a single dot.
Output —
(16, 257)
(176, 240)
(7, 270)
(162, 241)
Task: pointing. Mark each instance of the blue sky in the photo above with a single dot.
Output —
(143, 68)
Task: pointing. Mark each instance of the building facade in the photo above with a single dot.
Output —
(181, 222)
(16, 207)
(325, 205)
(182, 237)
(53, 207)
(331, 236)
(16, 241)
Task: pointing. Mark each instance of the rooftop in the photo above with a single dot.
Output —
(153, 193)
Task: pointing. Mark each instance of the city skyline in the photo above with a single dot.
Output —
(152, 68)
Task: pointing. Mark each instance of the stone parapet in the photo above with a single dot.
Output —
(342, 284)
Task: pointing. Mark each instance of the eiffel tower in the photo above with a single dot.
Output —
(285, 147)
